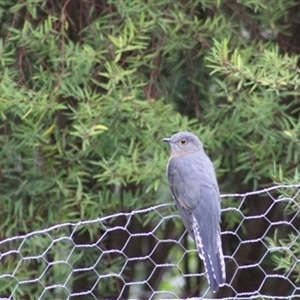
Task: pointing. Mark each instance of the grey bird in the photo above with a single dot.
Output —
(194, 187)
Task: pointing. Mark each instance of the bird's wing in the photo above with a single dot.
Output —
(178, 188)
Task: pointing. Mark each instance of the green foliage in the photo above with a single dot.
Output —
(285, 254)
(87, 91)
(285, 244)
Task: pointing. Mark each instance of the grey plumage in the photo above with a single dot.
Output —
(194, 187)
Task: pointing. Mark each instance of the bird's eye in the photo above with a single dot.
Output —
(183, 142)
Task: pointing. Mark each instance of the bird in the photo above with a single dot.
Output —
(194, 187)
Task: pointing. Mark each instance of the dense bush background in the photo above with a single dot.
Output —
(88, 89)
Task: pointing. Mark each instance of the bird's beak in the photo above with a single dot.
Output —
(166, 140)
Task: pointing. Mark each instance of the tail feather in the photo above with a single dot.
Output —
(213, 262)
(220, 263)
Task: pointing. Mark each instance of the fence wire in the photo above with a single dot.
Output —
(144, 254)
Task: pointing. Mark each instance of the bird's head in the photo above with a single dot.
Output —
(183, 143)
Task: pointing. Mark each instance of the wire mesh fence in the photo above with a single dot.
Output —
(146, 254)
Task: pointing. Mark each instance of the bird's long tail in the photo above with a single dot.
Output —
(213, 260)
